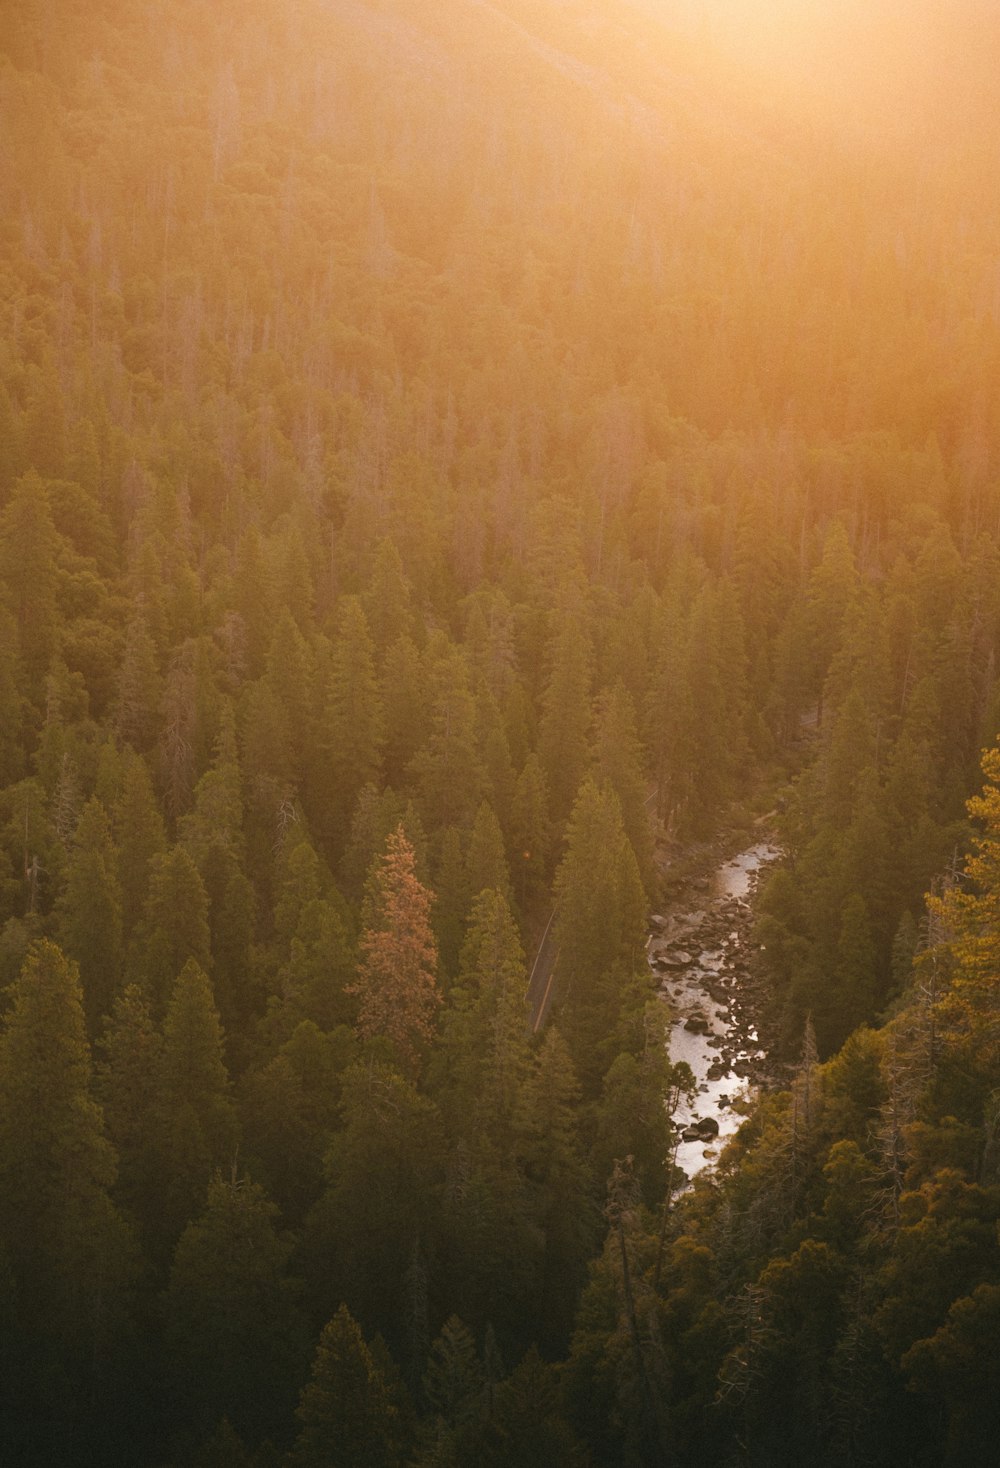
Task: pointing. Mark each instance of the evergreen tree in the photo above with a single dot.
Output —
(140, 836)
(396, 984)
(527, 1425)
(855, 968)
(404, 694)
(130, 1052)
(69, 1258)
(11, 702)
(600, 928)
(289, 1110)
(560, 1181)
(354, 720)
(487, 861)
(345, 1413)
(196, 1124)
(140, 689)
(89, 911)
(482, 1057)
(387, 599)
(453, 1381)
(452, 895)
(449, 768)
(617, 764)
(531, 837)
(29, 546)
(564, 727)
(232, 1327)
(384, 1170)
(174, 928)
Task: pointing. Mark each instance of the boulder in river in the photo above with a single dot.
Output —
(702, 1130)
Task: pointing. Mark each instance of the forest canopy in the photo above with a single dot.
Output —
(454, 462)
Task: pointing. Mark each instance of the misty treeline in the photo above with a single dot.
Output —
(429, 438)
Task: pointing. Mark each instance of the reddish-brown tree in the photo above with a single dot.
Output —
(397, 972)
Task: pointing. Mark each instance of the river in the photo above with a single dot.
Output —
(699, 956)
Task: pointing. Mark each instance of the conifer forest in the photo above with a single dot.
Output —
(470, 470)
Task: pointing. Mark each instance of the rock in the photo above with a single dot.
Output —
(697, 1025)
(707, 1127)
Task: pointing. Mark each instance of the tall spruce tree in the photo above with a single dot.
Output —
(345, 1413)
(197, 1123)
(89, 911)
(600, 922)
(233, 1330)
(69, 1259)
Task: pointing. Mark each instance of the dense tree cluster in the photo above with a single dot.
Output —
(433, 453)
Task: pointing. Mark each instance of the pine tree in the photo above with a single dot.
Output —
(617, 763)
(130, 1051)
(831, 588)
(404, 693)
(140, 836)
(291, 680)
(855, 965)
(69, 1258)
(449, 768)
(487, 862)
(289, 1109)
(482, 1058)
(140, 689)
(452, 895)
(715, 745)
(11, 703)
(396, 984)
(527, 1425)
(600, 928)
(531, 838)
(565, 723)
(345, 1413)
(384, 1169)
(253, 586)
(232, 1327)
(386, 598)
(497, 762)
(455, 1391)
(196, 1124)
(560, 1182)
(29, 545)
(89, 911)
(961, 1044)
(174, 928)
(217, 815)
(354, 721)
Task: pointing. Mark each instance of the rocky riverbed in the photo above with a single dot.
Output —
(698, 951)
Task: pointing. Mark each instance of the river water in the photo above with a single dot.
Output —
(700, 958)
